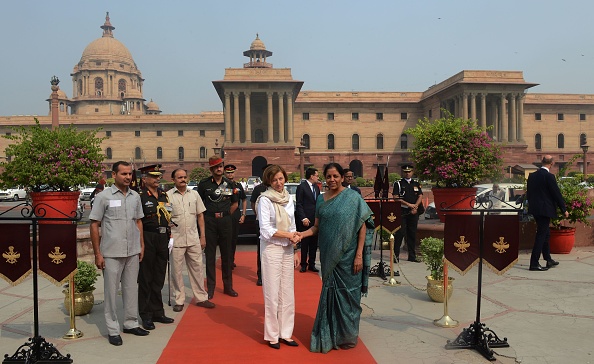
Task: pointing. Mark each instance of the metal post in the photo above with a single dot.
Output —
(73, 333)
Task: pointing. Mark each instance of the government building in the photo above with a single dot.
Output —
(266, 117)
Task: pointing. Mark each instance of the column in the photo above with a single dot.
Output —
(521, 117)
(270, 118)
(494, 117)
(503, 133)
(248, 117)
(483, 120)
(464, 106)
(290, 117)
(473, 106)
(227, 113)
(456, 106)
(281, 117)
(512, 118)
(236, 138)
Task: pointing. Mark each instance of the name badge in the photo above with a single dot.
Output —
(115, 203)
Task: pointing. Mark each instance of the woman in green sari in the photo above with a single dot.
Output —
(345, 228)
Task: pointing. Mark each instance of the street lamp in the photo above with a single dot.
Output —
(301, 148)
(585, 150)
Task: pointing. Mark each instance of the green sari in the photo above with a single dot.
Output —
(339, 309)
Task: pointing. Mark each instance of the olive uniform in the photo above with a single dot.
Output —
(408, 191)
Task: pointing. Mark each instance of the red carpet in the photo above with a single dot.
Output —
(233, 331)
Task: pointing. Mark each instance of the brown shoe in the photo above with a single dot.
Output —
(178, 308)
(205, 304)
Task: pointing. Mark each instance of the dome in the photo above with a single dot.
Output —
(152, 106)
(257, 45)
(107, 48)
(61, 95)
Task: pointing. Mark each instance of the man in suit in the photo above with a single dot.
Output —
(349, 177)
(305, 213)
(544, 197)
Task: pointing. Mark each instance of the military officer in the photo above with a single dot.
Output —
(408, 192)
(156, 231)
(220, 199)
(238, 216)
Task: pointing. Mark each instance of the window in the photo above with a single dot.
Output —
(582, 117)
(379, 116)
(108, 153)
(430, 113)
(355, 142)
(159, 133)
(331, 116)
(98, 86)
(538, 142)
(560, 141)
(96, 109)
(62, 107)
(159, 153)
(223, 132)
(108, 133)
(560, 117)
(403, 141)
(8, 133)
(330, 141)
(537, 116)
(122, 85)
(137, 133)
(403, 116)
(202, 152)
(379, 141)
(137, 153)
(180, 133)
(305, 116)
(202, 133)
(180, 153)
(97, 63)
(583, 139)
(259, 136)
(305, 140)
(355, 116)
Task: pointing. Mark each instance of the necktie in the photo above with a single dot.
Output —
(313, 191)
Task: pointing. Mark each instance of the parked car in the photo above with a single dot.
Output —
(14, 194)
(85, 193)
(292, 189)
(252, 182)
(248, 231)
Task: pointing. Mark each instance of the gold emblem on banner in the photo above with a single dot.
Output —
(500, 245)
(462, 245)
(57, 256)
(392, 217)
(11, 256)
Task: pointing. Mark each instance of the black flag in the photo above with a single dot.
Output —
(377, 186)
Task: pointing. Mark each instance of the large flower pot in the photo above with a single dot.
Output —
(55, 205)
(453, 198)
(435, 288)
(562, 240)
(83, 302)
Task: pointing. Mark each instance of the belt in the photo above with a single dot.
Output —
(159, 230)
(217, 215)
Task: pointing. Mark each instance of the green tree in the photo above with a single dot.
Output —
(199, 173)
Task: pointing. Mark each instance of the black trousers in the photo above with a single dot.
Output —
(309, 247)
(541, 241)
(235, 232)
(218, 232)
(151, 275)
(408, 230)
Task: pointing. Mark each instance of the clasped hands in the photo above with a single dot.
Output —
(296, 237)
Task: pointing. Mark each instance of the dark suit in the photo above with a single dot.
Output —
(544, 197)
(355, 188)
(306, 208)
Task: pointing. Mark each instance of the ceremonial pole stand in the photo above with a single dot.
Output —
(445, 320)
(392, 281)
(73, 333)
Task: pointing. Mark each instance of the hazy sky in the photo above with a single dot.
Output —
(182, 46)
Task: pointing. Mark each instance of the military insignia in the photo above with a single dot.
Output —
(149, 204)
(462, 245)
(11, 256)
(392, 217)
(217, 192)
(57, 256)
(500, 246)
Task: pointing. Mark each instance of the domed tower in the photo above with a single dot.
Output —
(257, 55)
(106, 80)
(63, 103)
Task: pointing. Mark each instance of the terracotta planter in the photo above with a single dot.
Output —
(435, 289)
(83, 302)
(55, 205)
(562, 240)
(453, 198)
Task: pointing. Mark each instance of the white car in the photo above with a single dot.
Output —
(14, 194)
(85, 193)
(292, 188)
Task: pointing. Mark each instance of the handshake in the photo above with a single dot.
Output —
(296, 238)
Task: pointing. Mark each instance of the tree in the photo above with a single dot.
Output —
(199, 173)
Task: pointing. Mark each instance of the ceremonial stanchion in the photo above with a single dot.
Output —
(445, 320)
(392, 281)
(73, 333)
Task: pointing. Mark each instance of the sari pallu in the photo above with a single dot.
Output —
(339, 309)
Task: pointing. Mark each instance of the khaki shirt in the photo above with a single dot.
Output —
(186, 209)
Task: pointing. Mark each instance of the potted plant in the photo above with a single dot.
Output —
(49, 161)
(432, 255)
(456, 154)
(84, 285)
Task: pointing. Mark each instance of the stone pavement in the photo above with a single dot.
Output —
(547, 317)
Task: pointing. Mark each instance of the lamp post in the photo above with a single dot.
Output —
(585, 150)
(301, 148)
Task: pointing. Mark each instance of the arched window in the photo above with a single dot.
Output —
(80, 88)
(108, 153)
(330, 141)
(379, 141)
(258, 136)
(583, 139)
(202, 152)
(98, 86)
(305, 139)
(62, 107)
(560, 141)
(355, 142)
(538, 142)
(180, 153)
(122, 85)
(137, 105)
(137, 153)
(403, 141)
(159, 153)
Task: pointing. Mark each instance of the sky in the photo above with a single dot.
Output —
(376, 45)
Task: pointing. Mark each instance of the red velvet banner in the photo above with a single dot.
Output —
(501, 242)
(461, 241)
(57, 251)
(15, 245)
(390, 213)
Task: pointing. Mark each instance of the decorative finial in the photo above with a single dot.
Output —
(54, 81)
(257, 36)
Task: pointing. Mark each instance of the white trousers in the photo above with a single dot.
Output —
(124, 270)
(278, 278)
(193, 257)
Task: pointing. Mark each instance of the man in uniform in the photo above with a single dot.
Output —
(238, 216)
(255, 194)
(408, 193)
(221, 202)
(156, 231)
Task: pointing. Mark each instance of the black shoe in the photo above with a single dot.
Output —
(163, 320)
(287, 342)
(259, 282)
(205, 304)
(274, 346)
(115, 340)
(210, 295)
(314, 269)
(302, 270)
(538, 268)
(178, 308)
(552, 263)
(137, 331)
(415, 260)
(147, 324)
(230, 292)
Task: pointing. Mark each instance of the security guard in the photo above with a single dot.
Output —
(238, 216)
(156, 231)
(220, 199)
(408, 192)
